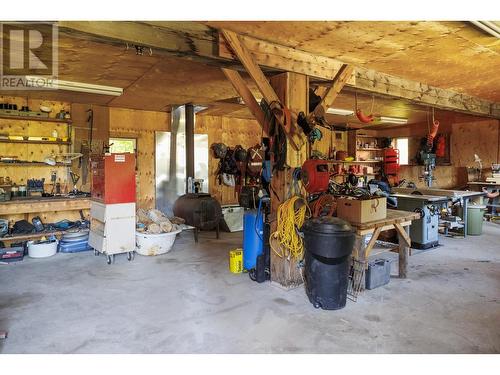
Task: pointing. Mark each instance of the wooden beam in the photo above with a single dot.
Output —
(423, 94)
(338, 83)
(195, 41)
(253, 69)
(242, 89)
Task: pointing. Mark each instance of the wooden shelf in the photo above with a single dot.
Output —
(370, 149)
(34, 142)
(357, 174)
(32, 118)
(36, 164)
(25, 237)
(354, 162)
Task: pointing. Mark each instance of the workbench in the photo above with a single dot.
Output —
(39, 205)
(490, 187)
(35, 205)
(462, 196)
(399, 220)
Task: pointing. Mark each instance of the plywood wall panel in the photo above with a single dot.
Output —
(479, 137)
(142, 126)
(232, 132)
(466, 139)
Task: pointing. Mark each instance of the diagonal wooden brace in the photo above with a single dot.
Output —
(255, 72)
(241, 87)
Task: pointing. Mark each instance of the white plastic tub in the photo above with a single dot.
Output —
(154, 244)
(42, 250)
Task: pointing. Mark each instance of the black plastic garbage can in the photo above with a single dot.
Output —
(328, 243)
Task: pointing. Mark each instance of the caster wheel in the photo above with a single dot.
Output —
(110, 259)
(130, 256)
(316, 305)
(96, 253)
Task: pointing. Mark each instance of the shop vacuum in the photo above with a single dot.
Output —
(256, 248)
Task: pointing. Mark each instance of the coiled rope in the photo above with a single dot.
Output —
(291, 216)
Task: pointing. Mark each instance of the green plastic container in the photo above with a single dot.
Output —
(475, 220)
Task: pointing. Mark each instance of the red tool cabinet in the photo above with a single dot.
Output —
(391, 163)
(113, 178)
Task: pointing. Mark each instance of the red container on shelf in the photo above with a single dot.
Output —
(113, 178)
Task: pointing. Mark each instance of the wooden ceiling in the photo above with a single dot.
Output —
(438, 53)
(450, 55)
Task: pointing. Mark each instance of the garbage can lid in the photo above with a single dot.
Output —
(327, 224)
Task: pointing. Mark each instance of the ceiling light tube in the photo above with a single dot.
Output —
(489, 27)
(48, 83)
(339, 111)
(393, 120)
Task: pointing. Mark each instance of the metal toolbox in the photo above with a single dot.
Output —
(378, 273)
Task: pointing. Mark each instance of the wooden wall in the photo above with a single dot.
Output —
(33, 152)
(232, 132)
(141, 125)
(480, 137)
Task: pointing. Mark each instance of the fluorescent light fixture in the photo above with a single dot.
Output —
(339, 111)
(393, 120)
(491, 28)
(41, 83)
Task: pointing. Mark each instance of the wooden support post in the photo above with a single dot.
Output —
(403, 252)
(292, 90)
(242, 89)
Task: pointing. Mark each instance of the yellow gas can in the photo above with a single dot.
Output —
(236, 261)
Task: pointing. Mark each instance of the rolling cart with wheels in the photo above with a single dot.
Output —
(112, 207)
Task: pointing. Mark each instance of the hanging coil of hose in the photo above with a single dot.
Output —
(325, 205)
(295, 188)
(291, 216)
(277, 135)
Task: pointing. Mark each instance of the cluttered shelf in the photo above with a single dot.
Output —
(354, 161)
(31, 236)
(31, 141)
(31, 164)
(36, 118)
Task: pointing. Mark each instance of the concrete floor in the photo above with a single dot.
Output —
(188, 302)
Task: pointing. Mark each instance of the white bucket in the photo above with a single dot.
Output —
(154, 244)
(42, 250)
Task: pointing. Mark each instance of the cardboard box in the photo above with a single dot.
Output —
(359, 211)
